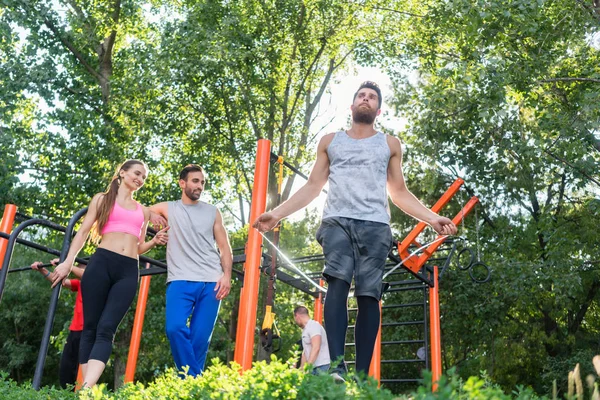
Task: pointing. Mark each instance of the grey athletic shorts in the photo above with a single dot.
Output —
(358, 248)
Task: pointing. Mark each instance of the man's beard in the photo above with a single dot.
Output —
(191, 195)
(364, 115)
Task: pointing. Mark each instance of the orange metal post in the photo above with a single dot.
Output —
(6, 225)
(244, 346)
(138, 326)
(457, 219)
(375, 368)
(318, 314)
(435, 333)
(79, 381)
(412, 236)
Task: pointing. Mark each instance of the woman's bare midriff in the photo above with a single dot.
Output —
(124, 244)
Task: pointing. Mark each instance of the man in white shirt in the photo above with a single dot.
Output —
(314, 341)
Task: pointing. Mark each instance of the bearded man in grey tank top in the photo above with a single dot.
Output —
(363, 166)
(198, 276)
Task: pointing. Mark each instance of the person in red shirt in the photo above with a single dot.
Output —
(69, 361)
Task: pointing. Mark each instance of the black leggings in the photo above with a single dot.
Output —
(108, 288)
(69, 361)
(336, 324)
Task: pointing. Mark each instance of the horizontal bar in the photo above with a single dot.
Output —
(404, 323)
(393, 361)
(405, 282)
(404, 305)
(393, 342)
(43, 248)
(403, 342)
(401, 289)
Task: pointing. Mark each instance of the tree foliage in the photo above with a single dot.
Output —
(505, 95)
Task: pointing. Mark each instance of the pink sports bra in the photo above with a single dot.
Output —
(125, 221)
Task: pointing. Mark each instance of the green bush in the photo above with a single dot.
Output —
(276, 380)
(451, 386)
(9, 389)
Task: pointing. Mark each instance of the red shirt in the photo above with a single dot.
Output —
(77, 322)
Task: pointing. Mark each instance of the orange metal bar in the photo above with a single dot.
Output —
(457, 219)
(375, 368)
(318, 314)
(138, 326)
(244, 346)
(412, 236)
(435, 333)
(79, 381)
(6, 225)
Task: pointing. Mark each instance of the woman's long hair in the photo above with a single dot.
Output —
(107, 201)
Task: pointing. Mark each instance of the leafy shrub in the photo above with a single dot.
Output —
(9, 389)
(276, 380)
(451, 386)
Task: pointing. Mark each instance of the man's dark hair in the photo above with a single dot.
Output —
(189, 168)
(370, 85)
(300, 310)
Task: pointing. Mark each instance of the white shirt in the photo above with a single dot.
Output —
(310, 330)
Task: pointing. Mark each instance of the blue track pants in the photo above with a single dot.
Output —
(189, 342)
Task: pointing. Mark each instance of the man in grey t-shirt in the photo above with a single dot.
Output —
(198, 276)
(314, 341)
(363, 166)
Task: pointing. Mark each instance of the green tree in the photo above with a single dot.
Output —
(506, 97)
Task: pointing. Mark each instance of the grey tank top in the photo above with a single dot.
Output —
(191, 251)
(358, 178)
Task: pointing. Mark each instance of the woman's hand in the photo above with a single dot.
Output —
(161, 237)
(61, 272)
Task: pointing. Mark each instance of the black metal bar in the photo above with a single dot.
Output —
(313, 258)
(236, 260)
(395, 324)
(426, 326)
(401, 289)
(28, 268)
(152, 271)
(391, 361)
(405, 282)
(40, 247)
(392, 342)
(448, 259)
(153, 262)
(401, 380)
(398, 271)
(12, 239)
(419, 275)
(275, 157)
(240, 258)
(404, 305)
(300, 285)
(39, 366)
(403, 323)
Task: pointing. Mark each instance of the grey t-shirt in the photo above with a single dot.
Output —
(358, 178)
(191, 251)
(310, 330)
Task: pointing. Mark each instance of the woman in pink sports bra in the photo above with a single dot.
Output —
(117, 223)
